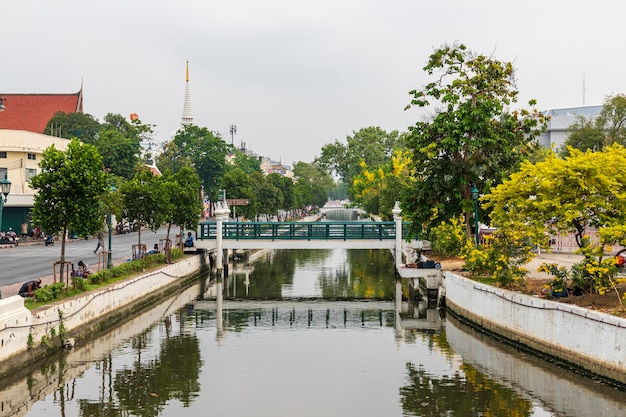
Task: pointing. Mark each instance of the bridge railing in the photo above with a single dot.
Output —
(303, 230)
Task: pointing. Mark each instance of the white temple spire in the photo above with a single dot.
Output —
(187, 118)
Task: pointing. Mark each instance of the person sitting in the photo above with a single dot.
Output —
(83, 269)
(189, 241)
(28, 288)
(154, 250)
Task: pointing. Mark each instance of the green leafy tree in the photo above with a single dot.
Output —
(596, 133)
(146, 201)
(286, 187)
(312, 185)
(185, 204)
(239, 185)
(73, 125)
(119, 153)
(585, 134)
(70, 188)
(170, 158)
(245, 162)
(473, 139)
(371, 145)
(207, 152)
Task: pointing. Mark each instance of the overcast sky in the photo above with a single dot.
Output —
(293, 75)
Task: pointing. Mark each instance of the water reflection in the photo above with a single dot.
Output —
(300, 356)
(329, 274)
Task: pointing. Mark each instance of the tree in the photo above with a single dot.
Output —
(73, 125)
(246, 163)
(119, 153)
(585, 134)
(285, 185)
(586, 189)
(185, 204)
(171, 159)
(371, 145)
(608, 128)
(473, 140)
(207, 152)
(313, 184)
(70, 188)
(239, 185)
(377, 189)
(146, 201)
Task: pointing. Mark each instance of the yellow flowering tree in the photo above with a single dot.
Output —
(377, 189)
(582, 191)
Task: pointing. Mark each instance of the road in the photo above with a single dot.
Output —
(35, 260)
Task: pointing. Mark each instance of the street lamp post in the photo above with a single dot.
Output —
(5, 187)
(475, 198)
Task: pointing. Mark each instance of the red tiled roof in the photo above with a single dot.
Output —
(31, 112)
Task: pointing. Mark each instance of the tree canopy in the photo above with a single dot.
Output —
(595, 133)
(371, 145)
(205, 150)
(474, 139)
(586, 189)
(70, 188)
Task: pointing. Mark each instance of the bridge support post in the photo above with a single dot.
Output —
(221, 214)
(398, 219)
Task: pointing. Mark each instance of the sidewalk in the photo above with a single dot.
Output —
(563, 259)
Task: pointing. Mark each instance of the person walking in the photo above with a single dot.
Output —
(100, 242)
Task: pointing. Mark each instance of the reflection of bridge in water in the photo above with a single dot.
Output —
(319, 313)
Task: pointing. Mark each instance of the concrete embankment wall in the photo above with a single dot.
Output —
(84, 314)
(592, 341)
(17, 400)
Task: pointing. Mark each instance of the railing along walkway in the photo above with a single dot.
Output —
(271, 231)
(300, 235)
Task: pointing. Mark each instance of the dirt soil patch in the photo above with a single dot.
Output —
(607, 303)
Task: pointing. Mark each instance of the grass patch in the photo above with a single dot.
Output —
(58, 291)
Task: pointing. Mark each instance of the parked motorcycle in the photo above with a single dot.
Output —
(9, 238)
(49, 240)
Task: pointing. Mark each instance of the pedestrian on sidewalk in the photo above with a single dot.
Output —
(100, 242)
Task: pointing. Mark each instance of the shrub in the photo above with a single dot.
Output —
(448, 238)
(49, 292)
(501, 257)
(593, 274)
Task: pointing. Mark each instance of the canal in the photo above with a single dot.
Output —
(301, 333)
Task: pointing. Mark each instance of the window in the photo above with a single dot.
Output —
(3, 172)
(32, 156)
(3, 154)
(30, 172)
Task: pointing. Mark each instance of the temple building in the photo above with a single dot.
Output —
(23, 118)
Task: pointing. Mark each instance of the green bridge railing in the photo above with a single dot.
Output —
(347, 230)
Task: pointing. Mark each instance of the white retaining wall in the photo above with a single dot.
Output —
(594, 341)
(17, 322)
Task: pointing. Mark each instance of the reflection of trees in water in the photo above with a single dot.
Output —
(471, 394)
(366, 274)
(145, 388)
(277, 268)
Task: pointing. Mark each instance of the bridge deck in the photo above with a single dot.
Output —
(301, 235)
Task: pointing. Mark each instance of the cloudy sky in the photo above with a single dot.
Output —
(293, 75)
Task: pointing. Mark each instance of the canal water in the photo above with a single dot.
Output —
(300, 333)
